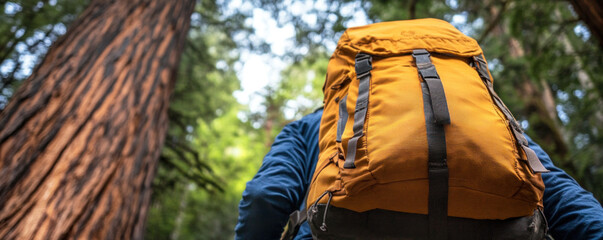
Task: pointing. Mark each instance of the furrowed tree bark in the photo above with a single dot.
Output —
(80, 140)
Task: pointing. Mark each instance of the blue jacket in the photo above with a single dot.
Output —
(280, 185)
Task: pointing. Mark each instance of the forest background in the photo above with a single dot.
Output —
(250, 67)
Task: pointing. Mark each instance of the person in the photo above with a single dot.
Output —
(280, 186)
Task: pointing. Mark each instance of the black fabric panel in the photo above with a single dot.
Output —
(382, 224)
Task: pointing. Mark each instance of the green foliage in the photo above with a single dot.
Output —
(383, 10)
(203, 91)
(198, 182)
(27, 28)
(234, 150)
(303, 81)
(298, 93)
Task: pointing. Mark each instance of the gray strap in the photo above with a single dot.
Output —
(532, 158)
(437, 172)
(363, 74)
(436, 90)
(343, 117)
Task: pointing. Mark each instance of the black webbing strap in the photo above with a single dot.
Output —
(533, 161)
(296, 219)
(435, 119)
(434, 84)
(363, 74)
(438, 172)
(343, 117)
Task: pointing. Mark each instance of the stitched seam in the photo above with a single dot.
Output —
(368, 41)
(465, 42)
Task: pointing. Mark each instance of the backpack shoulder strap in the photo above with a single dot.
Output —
(296, 219)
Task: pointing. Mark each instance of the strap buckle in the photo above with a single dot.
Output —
(421, 57)
(363, 65)
(423, 62)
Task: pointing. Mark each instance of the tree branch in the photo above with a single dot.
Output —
(176, 145)
(493, 23)
(200, 180)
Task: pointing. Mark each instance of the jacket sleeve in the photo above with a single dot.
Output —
(571, 211)
(279, 187)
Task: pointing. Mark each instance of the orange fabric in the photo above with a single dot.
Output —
(487, 179)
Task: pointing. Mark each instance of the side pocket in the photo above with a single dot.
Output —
(343, 117)
(323, 165)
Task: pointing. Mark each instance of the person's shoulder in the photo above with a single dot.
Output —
(311, 120)
(308, 123)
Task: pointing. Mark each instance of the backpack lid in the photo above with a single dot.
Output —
(401, 37)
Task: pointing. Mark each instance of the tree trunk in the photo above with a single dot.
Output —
(591, 12)
(80, 140)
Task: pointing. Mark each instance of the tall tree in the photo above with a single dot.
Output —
(80, 139)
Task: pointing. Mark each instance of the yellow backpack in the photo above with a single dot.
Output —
(414, 142)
